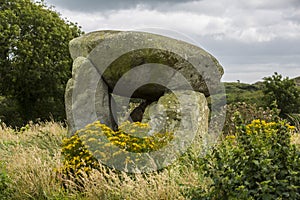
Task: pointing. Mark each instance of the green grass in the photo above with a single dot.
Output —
(242, 92)
(249, 93)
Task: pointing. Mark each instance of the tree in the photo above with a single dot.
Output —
(35, 63)
(282, 91)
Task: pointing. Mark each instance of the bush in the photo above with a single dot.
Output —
(9, 112)
(78, 161)
(131, 137)
(294, 119)
(4, 184)
(247, 113)
(284, 92)
(258, 162)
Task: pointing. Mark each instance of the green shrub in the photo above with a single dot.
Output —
(284, 92)
(258, 162)
(5, 181)
(9, 112)
(77, 162)
(243, 92)
(294, 119)
(246, 113)
(131, 137)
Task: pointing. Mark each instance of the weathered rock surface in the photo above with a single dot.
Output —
(86, 98)
(183, 112)
(116, 53)
(140, 65)
(82, 46)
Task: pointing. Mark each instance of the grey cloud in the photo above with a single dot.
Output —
(230, 47)
(269, 4)
(229, 6)
(103, 5)
(254, 73)
(294, 18)
(229, 29)
(250, 62)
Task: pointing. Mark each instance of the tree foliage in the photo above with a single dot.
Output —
(35, 63)
(284, 92)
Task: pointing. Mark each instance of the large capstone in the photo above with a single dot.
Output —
(116, 53)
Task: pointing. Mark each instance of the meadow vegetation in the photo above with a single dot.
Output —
(257, 156)
(259, 160)
(31, 159)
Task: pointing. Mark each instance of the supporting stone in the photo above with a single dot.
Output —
(87, 98)
(183, 112)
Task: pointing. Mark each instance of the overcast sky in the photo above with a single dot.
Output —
(250, 38)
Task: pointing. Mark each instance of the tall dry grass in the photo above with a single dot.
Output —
(30, 159)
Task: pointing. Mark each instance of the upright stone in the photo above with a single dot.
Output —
(183, 112)
(87, 98)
